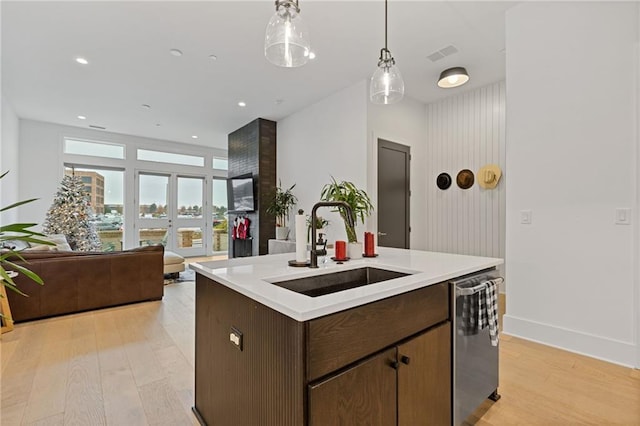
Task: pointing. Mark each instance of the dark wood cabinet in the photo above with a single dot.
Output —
(424, 379)
(364, 394)
(407, 385)
(346, 368)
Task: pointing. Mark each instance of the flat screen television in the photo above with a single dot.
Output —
(240, 193)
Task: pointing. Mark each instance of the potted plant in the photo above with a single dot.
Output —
(321, 224)
(280, 207)
(9, 234)
(360, 205)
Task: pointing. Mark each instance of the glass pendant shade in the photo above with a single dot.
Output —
(286, 42)
(387, 86)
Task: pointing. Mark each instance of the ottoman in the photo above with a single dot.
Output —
(173, 264)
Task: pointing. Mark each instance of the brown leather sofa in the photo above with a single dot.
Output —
(80, 281)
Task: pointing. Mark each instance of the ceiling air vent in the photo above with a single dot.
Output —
(442, 53)
(97, 127)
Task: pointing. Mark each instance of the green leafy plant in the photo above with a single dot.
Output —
(282, 203)
(321, 223)
(357, 199)
(17, 232)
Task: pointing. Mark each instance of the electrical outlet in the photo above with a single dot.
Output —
(525, 217)
(235, 337)
(623, 216)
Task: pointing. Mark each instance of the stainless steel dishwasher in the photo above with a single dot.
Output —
(475, 363)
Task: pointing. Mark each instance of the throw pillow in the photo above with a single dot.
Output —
(15, 245)
(59, 240)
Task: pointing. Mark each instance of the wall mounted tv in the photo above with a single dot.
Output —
(240, 193)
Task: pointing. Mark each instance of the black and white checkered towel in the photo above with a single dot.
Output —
(468, 326)
(488, 310)
(480, 310)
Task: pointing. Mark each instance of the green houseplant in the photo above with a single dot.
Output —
(280, 206)
(17, 232)
(356, 198)
(321, 224)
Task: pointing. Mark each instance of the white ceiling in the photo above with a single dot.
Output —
(128, 43)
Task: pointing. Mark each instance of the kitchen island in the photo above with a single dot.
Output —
(377, 353)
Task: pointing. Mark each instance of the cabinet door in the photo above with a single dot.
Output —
(424, 379)
(362, 395)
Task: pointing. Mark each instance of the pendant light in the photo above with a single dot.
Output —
(387, 86)
(453, 77)
(286, 42)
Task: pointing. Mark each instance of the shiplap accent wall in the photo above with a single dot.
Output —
(466, 131)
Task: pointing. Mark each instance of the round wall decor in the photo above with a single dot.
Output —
(465, 179)
(443, 181)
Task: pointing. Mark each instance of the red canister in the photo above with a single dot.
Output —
(341, 250)
(369, 249)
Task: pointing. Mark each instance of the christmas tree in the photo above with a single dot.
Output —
(70, 215)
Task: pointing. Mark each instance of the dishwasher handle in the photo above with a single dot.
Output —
(467, 291)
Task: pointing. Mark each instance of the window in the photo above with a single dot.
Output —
(169, 157)
(105, 188)
(220, 163)
(94, 149)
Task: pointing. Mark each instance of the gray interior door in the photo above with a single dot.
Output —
(393, 194)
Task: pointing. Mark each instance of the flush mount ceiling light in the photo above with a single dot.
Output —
(242, 104)
(194, 137)
(387, 86)
(82, 61)
(453, 77)
(82, 117)
(176, 52)
(286, 41)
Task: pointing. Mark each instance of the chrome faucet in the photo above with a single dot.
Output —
(348, 217)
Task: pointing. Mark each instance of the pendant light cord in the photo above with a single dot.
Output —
(385, 25)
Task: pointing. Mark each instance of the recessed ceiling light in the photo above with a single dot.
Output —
(242, 104)
(82, 61)
(194, 137)
(158, 124)
(146, 106)
(312, 55)
(213, 57)
(176, 52)
(82, 117)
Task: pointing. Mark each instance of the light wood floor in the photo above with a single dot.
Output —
(133, 365)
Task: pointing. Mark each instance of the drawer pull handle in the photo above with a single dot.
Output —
(405, 359)
(395, 365)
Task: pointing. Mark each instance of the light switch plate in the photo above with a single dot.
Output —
(525, 217)
(623, 216)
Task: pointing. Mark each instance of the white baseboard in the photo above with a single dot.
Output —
(599, 347)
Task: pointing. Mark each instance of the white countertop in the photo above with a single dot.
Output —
(252, 277)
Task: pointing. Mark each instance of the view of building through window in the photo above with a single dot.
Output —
(105, 189)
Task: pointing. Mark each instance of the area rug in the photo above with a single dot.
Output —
(185, 276)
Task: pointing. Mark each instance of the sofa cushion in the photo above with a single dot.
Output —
(41, 247)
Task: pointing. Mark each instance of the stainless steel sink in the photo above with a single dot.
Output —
(320, 285)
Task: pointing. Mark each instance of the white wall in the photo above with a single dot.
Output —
(328, 138)
(401, 123)
(9, 162)
(466, 131)
(571, 152)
